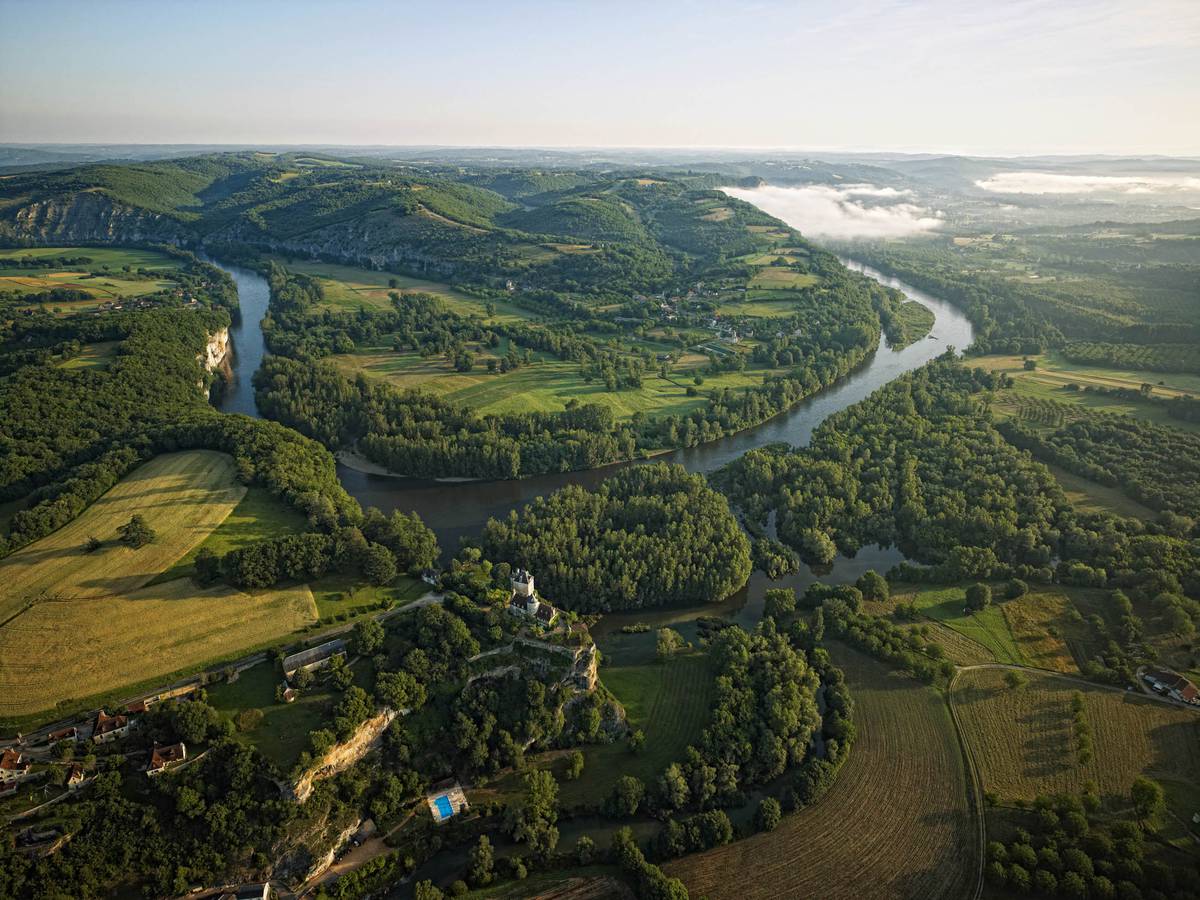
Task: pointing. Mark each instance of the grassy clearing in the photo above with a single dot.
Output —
(113, 257)
(337, 594)
(102, 279)
(987, 627)
(183, 497)
(283, 732)
(66, 650)
(1037, 622)
(1024, 743)
(668, 701)
(909, 833)
(93, 356)
(1089, 496)
(259, 516)
(778, 278)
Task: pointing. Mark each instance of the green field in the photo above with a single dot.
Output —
(103, 278)
(258, 516)
(93, 356)
(544, 386)
(283, 732)
(988, 627)
(348, 287)
(337, 594)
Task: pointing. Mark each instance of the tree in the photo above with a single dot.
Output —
(574, 765)
(137, 532)
(873, 586)
(637, 740)
(481, 863)
(426, 890)
(368, 637)
(399, 690)
(979, 596)
(93, 544)
(585, 850)
(779, 602)
(378, 565)
(1015, 588)
(532, 821)
(1148, 798)
(626, 797)
(672, 788)
(669, 643)
(768, 815)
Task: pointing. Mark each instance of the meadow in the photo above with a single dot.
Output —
(103, 278)
(79, 624)
(910, 833)
(1024, 744)
(987, 628)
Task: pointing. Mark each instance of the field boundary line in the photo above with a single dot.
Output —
(976, 785)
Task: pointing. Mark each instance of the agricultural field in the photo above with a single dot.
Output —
(1046, 387)
(77, 624)
(1024, 744)
(988, 627)
(1037, 622)
(349, 287)
(1090, 496)
(110, 276)
(340, 595)
(896, 823)
(93, 356)
(546, 385)
(63, 651)
(183, 497)
(259, 516)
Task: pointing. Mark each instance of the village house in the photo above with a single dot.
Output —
(110, 728)
(71, 733)
(74, 777)
(164, 755)
(289, 693)
(14, 768)
(525, 601)
(1173, 685)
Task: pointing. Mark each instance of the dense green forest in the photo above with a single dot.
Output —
(648, 536)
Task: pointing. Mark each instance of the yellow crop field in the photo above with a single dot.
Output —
(1037, 622)
(67, 650)
(1024, 743)
(183, 497)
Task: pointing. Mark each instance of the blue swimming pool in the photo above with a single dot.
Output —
(442, 803)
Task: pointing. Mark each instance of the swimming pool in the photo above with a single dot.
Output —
(442, 805)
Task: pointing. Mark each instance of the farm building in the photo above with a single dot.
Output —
(1173, 685)
(313, 657)
(74, 777)
(110, 728)
(162, 756)
(445, 801)
(14, 768)
(70, 733)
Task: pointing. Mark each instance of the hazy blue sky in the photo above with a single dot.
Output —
(950, 75)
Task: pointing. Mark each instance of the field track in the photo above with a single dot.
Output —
(897, 822)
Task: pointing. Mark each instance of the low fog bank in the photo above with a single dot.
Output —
(839, 213)
(1052, 183)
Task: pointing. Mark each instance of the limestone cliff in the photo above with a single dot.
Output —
(344, 755)
(91, 217)
(217, 356)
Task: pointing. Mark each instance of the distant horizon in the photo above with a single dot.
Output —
(1028, 78)
(799, 150)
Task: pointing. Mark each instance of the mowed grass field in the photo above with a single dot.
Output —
(1039, 623)
(183, 497)
(78, 624)
(896, 823)
(101, 283)
(987, 628)
(1024, 744)
(69, 650)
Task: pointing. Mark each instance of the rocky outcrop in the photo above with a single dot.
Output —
(344, 755)
(217, 356)
(94, 218)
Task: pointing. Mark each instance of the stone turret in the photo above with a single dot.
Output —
(522, 584)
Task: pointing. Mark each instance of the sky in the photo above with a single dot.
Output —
(956, 76)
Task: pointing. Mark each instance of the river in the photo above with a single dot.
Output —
(460, 509)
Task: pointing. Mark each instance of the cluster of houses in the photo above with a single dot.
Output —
(1173, 685)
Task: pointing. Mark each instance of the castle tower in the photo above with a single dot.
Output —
(522, 584)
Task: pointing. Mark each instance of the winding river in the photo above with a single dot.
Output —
(458, 509)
